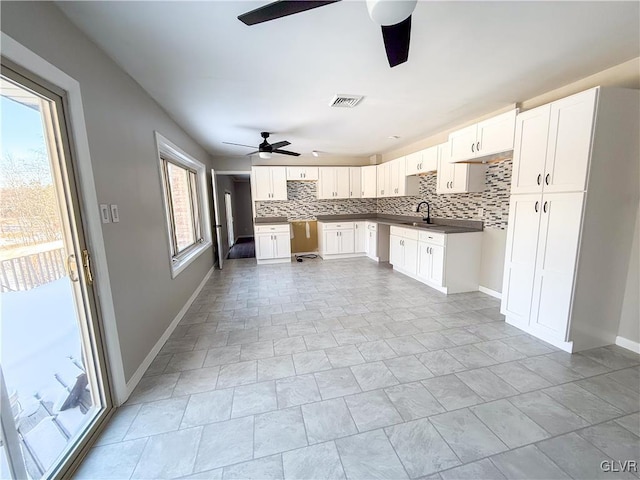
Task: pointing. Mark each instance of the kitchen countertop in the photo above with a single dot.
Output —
(440, 225)
(271, 221)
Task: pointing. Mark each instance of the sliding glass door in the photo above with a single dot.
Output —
(53, 388)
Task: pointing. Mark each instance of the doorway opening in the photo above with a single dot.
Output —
(234, 218)
(53, 380)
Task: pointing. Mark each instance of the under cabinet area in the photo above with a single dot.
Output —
(273, 243)
(449, 263)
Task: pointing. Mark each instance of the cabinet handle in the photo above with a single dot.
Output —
(473, 145)
(536, 206)
(546, 178)
(539, 178)
(544, 207)
(478, 147)
(351, 194)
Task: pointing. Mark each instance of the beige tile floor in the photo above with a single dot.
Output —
(345, 369)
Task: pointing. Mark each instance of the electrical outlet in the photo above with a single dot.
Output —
(114, 213)
(480, 212)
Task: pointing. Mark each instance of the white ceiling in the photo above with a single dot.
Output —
(225, 81)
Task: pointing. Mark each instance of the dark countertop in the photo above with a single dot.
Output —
(440, 225)
(270, 220)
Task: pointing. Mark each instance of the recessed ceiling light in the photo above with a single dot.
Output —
(394, 137)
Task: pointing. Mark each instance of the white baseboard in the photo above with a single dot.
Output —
(137, 376)
(488, 291)
(628, 344)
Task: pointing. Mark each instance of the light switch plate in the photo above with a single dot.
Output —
(114, 213)
(104, 213)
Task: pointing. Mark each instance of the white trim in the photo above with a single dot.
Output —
(171, 150)
(628, 344)
(24, 57)
(490, 292)
(137, 376)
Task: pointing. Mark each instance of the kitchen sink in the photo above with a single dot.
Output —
(421, 224)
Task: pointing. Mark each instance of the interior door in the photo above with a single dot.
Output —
(217, 219)
(53, 379)
(229, 214)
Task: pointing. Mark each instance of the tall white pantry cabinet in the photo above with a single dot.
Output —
(574, 196)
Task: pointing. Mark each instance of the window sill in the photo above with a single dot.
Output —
(184, 262)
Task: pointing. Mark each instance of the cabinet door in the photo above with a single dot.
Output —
(326, 183)
(331, 242)
(429, 161)
(278, 183)
(282, 245)
(520, 257)
(342, 181)
(383, 180)
(413, 162)
(265, 246)
(462, 144)
(424, 262)
(495, 134)
(398, 177)
(556, 262)
(530, 150)
(459, 177)
(295, 173)
(445, 171)
(262, 183)
(569, 146)
(396, 251)
(372, 244)
(410, 263)
(347, 240)
(309, 173)
(360, 237)
(369, 181)
(355, 182)
(436, 272)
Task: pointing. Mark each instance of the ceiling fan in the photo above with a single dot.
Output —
(266, 149)
(394, 16)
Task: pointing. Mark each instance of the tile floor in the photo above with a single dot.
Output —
(345, 369)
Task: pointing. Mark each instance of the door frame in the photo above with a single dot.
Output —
(217, 226)
(228, 210)
(116, 389)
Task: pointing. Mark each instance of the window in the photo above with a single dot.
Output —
(183, 185)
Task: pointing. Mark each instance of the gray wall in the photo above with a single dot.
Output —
(242, 214)
(630, 318)
(120, 119)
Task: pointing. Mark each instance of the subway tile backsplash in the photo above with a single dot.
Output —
(494, 200)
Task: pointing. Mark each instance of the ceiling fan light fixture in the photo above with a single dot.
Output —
(264, 155)
(315, 153)
(390, 12)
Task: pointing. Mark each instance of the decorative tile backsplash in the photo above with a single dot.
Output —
(303, 204)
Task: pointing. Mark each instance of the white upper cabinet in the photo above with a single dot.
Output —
(553, 146)
(458, 178)
(423, 161)
(569, 147)
(393, 180)
(355, 182)
(333, 182)
(491, 136)
(302, 173)
(369, 181)
(269, 183)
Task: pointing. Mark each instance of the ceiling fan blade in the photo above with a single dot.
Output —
(396, 41)
(253, 153)
(286, 152)
(240, 145)
(280, 9)
(280, 144)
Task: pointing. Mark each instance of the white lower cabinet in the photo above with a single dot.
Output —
(449, 263)
(338, 240)
(360, 237)
(371, 240)
(273, 243)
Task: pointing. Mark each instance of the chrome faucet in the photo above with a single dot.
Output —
(428, 217)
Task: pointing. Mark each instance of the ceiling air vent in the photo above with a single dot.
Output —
(345, 101)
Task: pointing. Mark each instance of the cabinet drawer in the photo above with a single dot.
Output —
(405, 232)
(271, 228)
(338, 226)
(431, 237)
